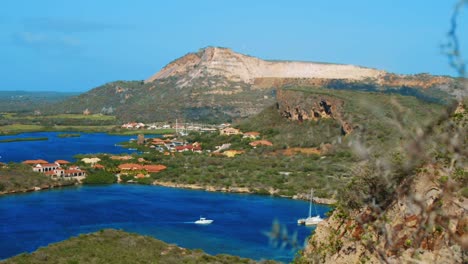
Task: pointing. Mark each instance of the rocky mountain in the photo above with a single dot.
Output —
(218, 84)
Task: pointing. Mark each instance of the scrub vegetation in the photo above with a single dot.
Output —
(114, 246)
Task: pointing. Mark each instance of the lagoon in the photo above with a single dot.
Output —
(56, 147)
(29, 221)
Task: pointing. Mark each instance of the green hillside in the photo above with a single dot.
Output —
(161, 101)
(308, 154)
(114, 246)
(25, 101)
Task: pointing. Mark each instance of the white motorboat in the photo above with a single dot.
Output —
(311, 220)
(203, 221)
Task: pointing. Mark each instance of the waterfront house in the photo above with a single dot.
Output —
(46, 167)
(74, 172)
(54, 171)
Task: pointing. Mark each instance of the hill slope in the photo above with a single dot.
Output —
(413, 211)
(24, 101)
(218, 84)
(114, 246)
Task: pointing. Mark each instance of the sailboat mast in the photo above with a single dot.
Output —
(310, 204)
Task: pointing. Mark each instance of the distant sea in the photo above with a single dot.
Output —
(241, 221)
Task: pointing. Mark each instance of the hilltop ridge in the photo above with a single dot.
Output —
(218, 84)
(215, 61)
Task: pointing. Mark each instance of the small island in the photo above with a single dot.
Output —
(9, 140)
(69, 135)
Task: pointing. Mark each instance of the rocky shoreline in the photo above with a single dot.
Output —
(271, 191)
(37, 188)
(246, 190)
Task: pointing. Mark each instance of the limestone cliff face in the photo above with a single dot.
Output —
(220, 67)
(235, 67)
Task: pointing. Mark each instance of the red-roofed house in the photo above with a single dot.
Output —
(46, 167)
(183, 148)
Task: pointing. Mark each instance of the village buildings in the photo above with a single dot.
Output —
(55, 170)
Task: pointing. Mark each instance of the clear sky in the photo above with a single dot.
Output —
(77, 45)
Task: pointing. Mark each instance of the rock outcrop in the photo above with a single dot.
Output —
(300, 106)
(425, 220)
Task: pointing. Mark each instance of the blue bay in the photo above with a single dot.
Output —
(60, 148)
(29, 221)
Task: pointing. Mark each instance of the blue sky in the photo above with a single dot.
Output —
(78, 45)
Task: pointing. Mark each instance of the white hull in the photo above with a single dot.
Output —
(310, 221)
(203, 221)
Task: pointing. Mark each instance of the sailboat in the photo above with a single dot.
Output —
(311, 220)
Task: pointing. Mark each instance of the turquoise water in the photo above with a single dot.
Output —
(29, 221)
(60, 148)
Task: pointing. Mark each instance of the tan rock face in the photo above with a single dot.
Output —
(222, 65)
(237, 67)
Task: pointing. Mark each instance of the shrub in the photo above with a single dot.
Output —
(100, 177)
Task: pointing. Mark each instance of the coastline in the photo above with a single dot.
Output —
(246, 190)
(110, 130)
(41, 188)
